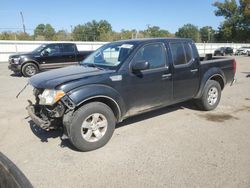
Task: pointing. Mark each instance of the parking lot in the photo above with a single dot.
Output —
(178, 146)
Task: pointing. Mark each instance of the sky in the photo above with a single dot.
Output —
(125, 14)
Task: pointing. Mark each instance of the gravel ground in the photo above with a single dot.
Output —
(178, 146)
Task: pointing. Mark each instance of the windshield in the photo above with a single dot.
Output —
(39, 48)
(110, 55)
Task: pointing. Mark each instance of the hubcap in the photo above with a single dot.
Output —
(212, 95)
(30, 70)
(94, 127)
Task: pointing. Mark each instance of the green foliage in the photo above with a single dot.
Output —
(46, 32)
(93, 31)
(236, 26)
(156, 31)
(189, 31)
(207, 34)
(7, 35)
(63, 35)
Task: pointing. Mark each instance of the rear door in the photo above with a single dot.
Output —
(186, 71)
(69, 54)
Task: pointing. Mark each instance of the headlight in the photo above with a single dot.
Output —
(16, 60)
(50, 97)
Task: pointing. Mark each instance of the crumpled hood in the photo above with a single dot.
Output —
(52, 79)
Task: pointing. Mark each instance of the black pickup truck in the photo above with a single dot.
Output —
(123, 79)
(46, 56)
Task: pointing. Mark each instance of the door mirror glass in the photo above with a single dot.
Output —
(140, 65)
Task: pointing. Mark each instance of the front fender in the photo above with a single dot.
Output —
(29, 60)
(84, 93)
(215, 71)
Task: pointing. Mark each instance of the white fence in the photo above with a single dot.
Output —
(10, 47)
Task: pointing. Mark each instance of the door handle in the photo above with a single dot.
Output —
(194, 70)
(166, 76)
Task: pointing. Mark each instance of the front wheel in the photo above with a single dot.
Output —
(211, 96)
(29, 69)
(92, 126)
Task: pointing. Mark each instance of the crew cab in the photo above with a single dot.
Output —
(122, 79)
(46, 56)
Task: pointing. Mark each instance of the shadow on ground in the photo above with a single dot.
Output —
(16, 75)
(155, 113)
(247, 74)
(44, 136)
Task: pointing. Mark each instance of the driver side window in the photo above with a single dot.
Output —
(154, 54)
(52, 49)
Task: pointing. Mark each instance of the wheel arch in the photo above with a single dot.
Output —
(30, 61)
(99, 93)
(215, 74)
(106, 100)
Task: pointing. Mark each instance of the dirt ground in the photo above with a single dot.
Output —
(178, 146)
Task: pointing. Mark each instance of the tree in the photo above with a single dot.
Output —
(63, 35)
(7, 35)
(236, 26)
(156, 31)
(44, 31)
(189, 31)
(23, 36)
(39, 30)
(207, 34)
(104, 30)
(49, 32)
(91, 31)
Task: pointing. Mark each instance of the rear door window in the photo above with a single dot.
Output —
(181, 53)
(188, 52)
(68, 48)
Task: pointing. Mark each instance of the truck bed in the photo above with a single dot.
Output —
(226, 64)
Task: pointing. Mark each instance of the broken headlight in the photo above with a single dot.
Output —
(50, 96)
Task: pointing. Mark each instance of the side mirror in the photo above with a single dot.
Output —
(140, 65)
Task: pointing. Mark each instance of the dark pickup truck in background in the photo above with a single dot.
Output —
(223, 51)
(46, 56)
(123, 79)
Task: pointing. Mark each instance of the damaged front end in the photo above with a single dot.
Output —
(50, 106)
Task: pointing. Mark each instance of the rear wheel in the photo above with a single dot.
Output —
(211, 96)
(92, 126)
(29, 69)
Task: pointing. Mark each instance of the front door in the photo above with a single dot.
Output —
(51, 56)
(149, 88)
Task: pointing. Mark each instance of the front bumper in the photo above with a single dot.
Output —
(37, 120)
(14, 67)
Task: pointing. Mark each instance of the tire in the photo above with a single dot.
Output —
(210, 97)
(89, 122)
(29, 69)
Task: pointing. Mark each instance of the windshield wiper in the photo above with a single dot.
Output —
(93, 65)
